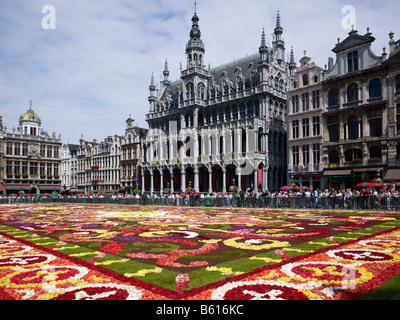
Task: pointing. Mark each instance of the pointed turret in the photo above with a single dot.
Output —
(292, 63)
(166, 74)
(263, 48)
(152, 98)
(195, 47)
(279, 43)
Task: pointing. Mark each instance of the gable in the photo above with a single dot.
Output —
(352, 41)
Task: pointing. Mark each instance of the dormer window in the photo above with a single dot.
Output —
(352, 61)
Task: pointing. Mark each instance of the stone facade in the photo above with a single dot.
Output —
(358, 112)
(221, 128)
(305, 134)
(31, 158)
(131, 178)
(98, 165)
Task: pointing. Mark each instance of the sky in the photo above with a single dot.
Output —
(87, 64)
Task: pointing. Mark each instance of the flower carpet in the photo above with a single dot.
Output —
(110, 252)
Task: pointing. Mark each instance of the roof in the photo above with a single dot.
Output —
(229, 72)
(353, 40)
(30, 116)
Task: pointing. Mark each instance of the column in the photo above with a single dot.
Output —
(209, 180)
(265, 178)
(183, 180)
(171, 183)
(151, 183)
(161, 182)
(224, 180)
(196, 179)
(239, 179)
(256, 180)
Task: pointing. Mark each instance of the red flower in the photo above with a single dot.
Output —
(113, 247)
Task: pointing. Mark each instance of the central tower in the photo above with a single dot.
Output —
(195, 76)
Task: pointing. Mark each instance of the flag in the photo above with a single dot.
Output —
(303, 168)
(333, 166)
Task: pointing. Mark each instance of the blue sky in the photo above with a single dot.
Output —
(90, 73)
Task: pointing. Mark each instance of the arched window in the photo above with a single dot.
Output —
(334, 157)
(189, 91)
(352, 154)
(353, 128)
(333, 97)
(375, 88)
(375, 153)
(352, 93)
(201, 91)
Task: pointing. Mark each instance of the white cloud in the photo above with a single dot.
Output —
(94, 70)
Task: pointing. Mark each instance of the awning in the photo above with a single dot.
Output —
(18, 188)
(337, 173)
(57, 188)
(392, 175)
(368, 169)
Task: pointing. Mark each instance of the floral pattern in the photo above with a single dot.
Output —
(75, 252)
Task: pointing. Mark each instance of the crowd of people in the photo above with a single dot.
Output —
(366, 198)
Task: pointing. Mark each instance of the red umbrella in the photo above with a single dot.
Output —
(397, 184)
(286, 188)
(366, 185)
(305, 189)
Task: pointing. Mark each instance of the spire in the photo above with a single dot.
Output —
(152, 84)
(263, 49)
(263, 40)
(279, 43)
(278, 29)
(166, 73)
(292, 63)
(195, 47)
(278, 21)
(152, 98)
(195, 31)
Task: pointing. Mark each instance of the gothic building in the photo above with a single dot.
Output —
(31, 158)
(219, 128)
